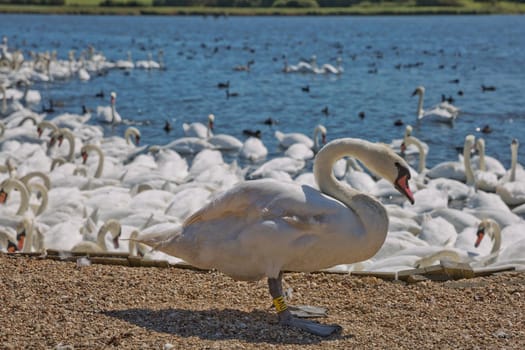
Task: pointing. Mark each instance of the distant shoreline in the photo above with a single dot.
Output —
(474, 8)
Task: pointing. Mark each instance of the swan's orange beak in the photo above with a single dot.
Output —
(11, 247)
(211, 125)
(3, 196)
(402, 186)
(401, 183)
(39, 131)
(403, 147)
(323, 139)
(137, 140)
(60, 139)
(480, 234)
(52, 141)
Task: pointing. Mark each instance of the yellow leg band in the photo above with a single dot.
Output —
(279, 304)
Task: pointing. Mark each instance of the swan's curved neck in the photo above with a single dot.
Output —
(18, 185)
(469, 173)
(110, 226)
(316, 138)
(495, 232)
(71, 140)
(422, 155)
(100, 166)
(513, 163)
(45, 124)
(4, 99)
(101, 237)
(420, 104)
(129, 133)
(31, 118)
(57, 161)
(113, 110)
(372, 213)
(45, 179)
(481, 150)
(44, 197)
(28, 240)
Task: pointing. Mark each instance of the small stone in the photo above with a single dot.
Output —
(500, 333)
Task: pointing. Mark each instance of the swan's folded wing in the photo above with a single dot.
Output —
(268, 200)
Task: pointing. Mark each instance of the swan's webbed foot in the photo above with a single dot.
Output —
(287, 318)
(323, 330)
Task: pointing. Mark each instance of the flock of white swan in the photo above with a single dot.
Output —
(64, 185)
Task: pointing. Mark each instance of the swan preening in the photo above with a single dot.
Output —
(263, 227)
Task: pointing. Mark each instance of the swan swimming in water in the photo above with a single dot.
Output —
(263, 227)
(110, 114)
(198, 129)
(286, 140)
(443, 112)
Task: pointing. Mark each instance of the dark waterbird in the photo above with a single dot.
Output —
(270, 121)
(485, 88)
(222, 85)
(167, 126)
(253, 133)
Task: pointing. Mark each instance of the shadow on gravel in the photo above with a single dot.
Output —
(253, 327)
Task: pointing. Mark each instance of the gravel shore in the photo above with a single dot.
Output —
(48, 304)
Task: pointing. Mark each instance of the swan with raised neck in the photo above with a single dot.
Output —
(112, 226)
(84, 152)
(46, 124)
(492, 228)
(132, 131)
(467, 148)
(26, 179)
(14, 184)
(44, 198)
(319, 129)
(411, 140)
(60, 135)
(514, 145)
(261, 228)
(377, 158)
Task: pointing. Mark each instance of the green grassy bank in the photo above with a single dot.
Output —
(144, 7)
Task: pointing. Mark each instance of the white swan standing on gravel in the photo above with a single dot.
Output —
(264, 227)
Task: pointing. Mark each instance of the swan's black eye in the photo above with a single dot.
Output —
(402, 171)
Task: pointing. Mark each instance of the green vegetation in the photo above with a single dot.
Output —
(263, 7)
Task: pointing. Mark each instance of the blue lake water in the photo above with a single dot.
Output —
(200, 52)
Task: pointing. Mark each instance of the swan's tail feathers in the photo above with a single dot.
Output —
(159, 241)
